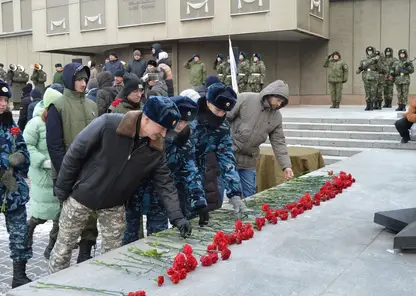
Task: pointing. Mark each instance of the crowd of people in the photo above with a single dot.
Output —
(116, 145)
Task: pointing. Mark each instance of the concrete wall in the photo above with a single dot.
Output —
(354, 25)
(18, 50)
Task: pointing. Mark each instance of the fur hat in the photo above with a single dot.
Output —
(211, 79)
(192, 94)
(36, 93)
(221, 96)
(152, 63)
(113, 54)
(5, 90)
(162, 111)
(187, 107)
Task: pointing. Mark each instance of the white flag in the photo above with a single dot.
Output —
(233, 67)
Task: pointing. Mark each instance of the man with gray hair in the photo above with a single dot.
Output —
(255, 117)
(137, 65)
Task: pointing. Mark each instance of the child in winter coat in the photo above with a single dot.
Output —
(14, 191)
(43, 205)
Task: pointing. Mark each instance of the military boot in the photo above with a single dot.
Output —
(48, 249)
(401, 107)
(85, 247)
(31, 225)
(337, 105)
(19, 274)
(390, 101)
(368, 107)
(333, 105)
(377, 105)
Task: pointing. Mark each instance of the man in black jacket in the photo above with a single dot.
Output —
(138, 65)
(24, 105)
(104, 166)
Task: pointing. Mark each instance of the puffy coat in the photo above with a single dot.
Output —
(106, 93)
(43, 205)
(113, 66)
(8, 145)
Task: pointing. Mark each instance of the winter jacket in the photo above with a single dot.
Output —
(67, 116)
(43, 205)
(19, 81)
(93, 73)
(3, 74)
(10, 144)
(24, 105)
(167, 74)
(202, 90)
(402, 69)
(159, 89)
(92, 94)
(337, 69)
(100, 169)
(113, 66)
(39, 78)
(122, 107)
(106, 93)
(31, 108)
(252, 120)
(137, 67)
(212, 171)
(208, 138)
(180, 160)
(58, 78)
(257, 73)
(197, 72)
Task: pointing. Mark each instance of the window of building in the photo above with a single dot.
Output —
(26, 14)
(7, 16)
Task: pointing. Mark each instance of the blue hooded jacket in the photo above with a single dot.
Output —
(69, 72)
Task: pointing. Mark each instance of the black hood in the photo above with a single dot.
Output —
(158, 48)
(336, 53)
(6, 118)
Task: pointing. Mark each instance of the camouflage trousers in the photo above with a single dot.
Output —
(388, 91)
(243, 87)
(402, 93)
(53, 234)
(256, 87)
(16, 226)
(380, 89)
(335, 90)
(72, 221)
(370, 87)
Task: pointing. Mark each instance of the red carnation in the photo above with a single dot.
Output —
(294, 212)
(175, 278)
(179, 262)
(238, 225)
(15, 131)
(116, 102)
(211, 247)
(206, 261)
(160, 280)
(284, 215)
(187, 249)
(274, 220)
(214, 256)
(225, 254)
(170, 271)
(265, 207)
(182, 274)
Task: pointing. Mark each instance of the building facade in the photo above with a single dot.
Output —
(293, 36)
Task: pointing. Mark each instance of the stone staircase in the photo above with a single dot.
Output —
(339, 138)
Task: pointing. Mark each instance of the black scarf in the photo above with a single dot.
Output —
(206, 117)
(6, 118)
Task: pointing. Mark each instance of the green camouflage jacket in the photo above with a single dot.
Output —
(243, 72)
(337, 70)
(402, 70)
(369, 68)
(257, 73)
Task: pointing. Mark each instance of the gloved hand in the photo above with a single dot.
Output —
(145, 78)
(9, 181)
(16, 159)
(203, 216)
(184, 227)
(191, 59)
(47, 164)
(406, 64)
(330, 56)
(239, 207)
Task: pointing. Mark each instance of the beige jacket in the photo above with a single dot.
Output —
(252, 120)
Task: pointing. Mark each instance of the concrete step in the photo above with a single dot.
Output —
(343, 135)
(340, 127)
(333, 159)
(379, 121)
(337, 142)
(335, 151)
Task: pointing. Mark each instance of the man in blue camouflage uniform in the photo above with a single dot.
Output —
(14, 192)
(179, 155)
(210, 132)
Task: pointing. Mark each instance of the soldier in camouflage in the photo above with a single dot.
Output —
(389, 61)
(227, 79)
(210, 132)
(39, 78)
(382, 71)
(257, 74)
(179, 155)
(243, 73)
(3, 74)
(337, 76)
(220, 66)
(369, 69)
(14, 192)
(401, 71)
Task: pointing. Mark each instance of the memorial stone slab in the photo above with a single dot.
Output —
(406, 239)
(395, 220)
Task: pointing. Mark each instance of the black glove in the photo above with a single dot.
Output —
(330, 56)
(203, 216)
(184, 226)
(191, 59)
(406, 64)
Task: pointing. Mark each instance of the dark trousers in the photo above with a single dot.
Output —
(403, 126)
(53, 234)
(16, 226)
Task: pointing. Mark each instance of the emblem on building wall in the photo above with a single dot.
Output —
(196, 6)
(316, 4)
(240, 3)
(92, 19)
(61, 23)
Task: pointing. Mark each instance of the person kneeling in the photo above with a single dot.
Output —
(95, 178)
(403, 125)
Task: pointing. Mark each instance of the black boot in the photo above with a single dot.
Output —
(404, 107)
(405, 140)
(31, 225)
(19, 274)
(399, 108)
(337, 105)
(49, 248)
(368, 107)
(377, 105)
(85, 248)
(333, 105)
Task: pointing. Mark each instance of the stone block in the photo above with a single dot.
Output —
(395, 220)
(406, 239)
